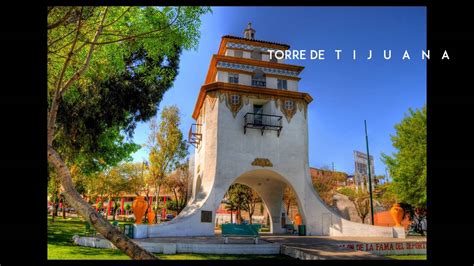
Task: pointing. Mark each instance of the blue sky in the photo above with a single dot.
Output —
(345, 92)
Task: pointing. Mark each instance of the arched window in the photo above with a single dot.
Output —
(258, 78)
(256, 54)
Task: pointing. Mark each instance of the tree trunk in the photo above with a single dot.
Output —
(231, 218)
(147, 199)
(53, 210)
(108, 209)
(157, 204)
(64, 210)
(103, 227)
(238, 217)
(288, 206)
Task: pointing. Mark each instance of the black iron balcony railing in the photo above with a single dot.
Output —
(195, 135)
(259, 83)
(263, 122)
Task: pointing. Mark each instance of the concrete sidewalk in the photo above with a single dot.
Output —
(326, 248)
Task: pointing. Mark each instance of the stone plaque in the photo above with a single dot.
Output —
(206, 216)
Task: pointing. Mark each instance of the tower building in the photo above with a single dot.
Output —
(252, 128)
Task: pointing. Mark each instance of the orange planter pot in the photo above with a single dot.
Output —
(298, 219)
(139, 206)
(151, 216)
(397, 214)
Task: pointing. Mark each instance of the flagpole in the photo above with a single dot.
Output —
(370, 176)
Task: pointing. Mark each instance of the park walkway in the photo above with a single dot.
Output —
(327, 248)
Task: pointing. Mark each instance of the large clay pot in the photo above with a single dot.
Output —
(139, 206)
(397, 214)
(298, 219)
(151, 216)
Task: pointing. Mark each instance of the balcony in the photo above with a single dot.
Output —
(195, 135)
(259, 83)
(263, 122)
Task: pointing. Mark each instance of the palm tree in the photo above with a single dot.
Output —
(230, 206)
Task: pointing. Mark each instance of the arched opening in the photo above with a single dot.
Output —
(273, 193)
(242, 205)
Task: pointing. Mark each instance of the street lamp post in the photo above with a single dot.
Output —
(370, 176)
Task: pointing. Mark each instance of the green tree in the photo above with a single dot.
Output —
(407, 166)
(53, 194)
(167, 148)
(289, 198)
(128, 207)
(177, 182)
(232, 207)
(88, 47)
(325, 185)
(361, 200)
(252, 199)
(242, 198)
(385, 196)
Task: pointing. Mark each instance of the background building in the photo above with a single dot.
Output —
(361, 174)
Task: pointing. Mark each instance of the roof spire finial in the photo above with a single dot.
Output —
(249, 33)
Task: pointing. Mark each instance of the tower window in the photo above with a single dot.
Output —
(235, 99)
(256, 54)
(259, 79)
(257, 110)
(233, 78)
(238, 53)
(282, 84)
(289, 105)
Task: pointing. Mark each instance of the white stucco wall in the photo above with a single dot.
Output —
(229, 52)
(292, 85)
(222, 76)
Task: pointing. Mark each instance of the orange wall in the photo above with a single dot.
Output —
(385, 219)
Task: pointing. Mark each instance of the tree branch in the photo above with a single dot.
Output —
(60, 38)
(85, 210)
(62, 20)
(79, 73)
(57, 93)
(117, 19)
(137, 35)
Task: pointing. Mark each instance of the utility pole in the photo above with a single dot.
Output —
(370, 176)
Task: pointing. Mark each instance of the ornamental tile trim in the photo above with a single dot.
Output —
(250, 68)
(234, 45)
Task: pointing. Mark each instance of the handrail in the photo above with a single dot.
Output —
(279, 116)
(263, 122)
(195, 134)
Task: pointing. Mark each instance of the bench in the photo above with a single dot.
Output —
(290, 228)
(250, 230)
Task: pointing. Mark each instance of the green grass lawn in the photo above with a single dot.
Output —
(61, 246)
(408, 257)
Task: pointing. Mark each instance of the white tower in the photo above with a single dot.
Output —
(252, 128)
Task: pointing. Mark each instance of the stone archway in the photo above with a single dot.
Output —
(270, 186)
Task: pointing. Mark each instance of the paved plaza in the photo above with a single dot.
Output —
(301, 247)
